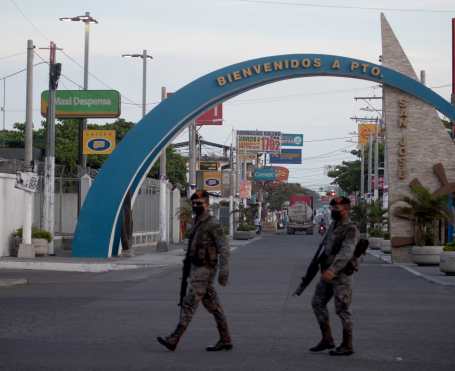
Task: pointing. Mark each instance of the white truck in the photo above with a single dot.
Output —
(300, 218)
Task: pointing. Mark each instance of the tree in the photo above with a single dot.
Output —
(175, 168)
(347, 176)
(276, 195)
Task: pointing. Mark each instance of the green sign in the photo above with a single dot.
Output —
(83, 104)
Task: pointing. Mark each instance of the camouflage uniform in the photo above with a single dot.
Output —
(208, 249)
(341, 285)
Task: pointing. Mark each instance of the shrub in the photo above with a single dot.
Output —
(246, 227)
(375, 232)
(450, 246)
(36, 233)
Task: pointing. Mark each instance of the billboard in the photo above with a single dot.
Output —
(214, 116)
(287, 156)
(265, 174)
(98, 142)
(291, 140)
(258, 141)
(365, 130)
(83, 104)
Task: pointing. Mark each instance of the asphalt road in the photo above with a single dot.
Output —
(109, 321)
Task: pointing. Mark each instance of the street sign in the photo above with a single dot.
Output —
(214, 116)
(98, 142)
(265, 174)
(208, 165)
(83, 104)
(291, 140)
(287, 156)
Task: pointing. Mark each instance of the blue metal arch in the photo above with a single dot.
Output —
(128, 165)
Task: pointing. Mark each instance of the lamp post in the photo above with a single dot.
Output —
(87, 19)
(144, 57)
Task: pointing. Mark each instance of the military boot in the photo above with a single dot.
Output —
(327, 339)
(171, 341)
(225, 342)
(345, 348)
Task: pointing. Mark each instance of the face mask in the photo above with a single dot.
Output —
(336, 215)
(198, 210)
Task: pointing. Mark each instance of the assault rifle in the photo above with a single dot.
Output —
(319, 258)
(185, 274)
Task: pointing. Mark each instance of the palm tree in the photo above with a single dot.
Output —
(359, 216)
(424, 209)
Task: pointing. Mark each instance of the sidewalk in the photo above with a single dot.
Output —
(143, 257)
(428, 273)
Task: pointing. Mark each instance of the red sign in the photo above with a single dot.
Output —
(281, 173)
(271, 144)
(214, 116)
(299, 198)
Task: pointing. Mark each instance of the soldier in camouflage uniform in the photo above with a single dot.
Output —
(339, 244)
(208, 249)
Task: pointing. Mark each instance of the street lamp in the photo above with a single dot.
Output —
(87, 19)
(144, 57)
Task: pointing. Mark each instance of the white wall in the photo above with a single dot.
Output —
(11, 210)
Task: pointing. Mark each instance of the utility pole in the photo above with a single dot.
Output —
(49, 163)
(164, 236)
(4, 104)
(232, 192)
(192, 157)
(376, 164)
(144, 57)
(28, 145)
(362, 171)
(370, 163)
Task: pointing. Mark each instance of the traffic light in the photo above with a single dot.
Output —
(55, 72)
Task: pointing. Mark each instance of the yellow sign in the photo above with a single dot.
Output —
(365, 130)
(212, 181)
(98, 142)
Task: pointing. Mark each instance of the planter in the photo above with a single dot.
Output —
(386, 247)
(447, 262)
(41, 246)
(426, 255)
(375, 242)
(244, 235)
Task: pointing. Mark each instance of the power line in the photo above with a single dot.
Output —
(280, 97)
(347, 7)
(63, 75)
(11, 55)
(29, 20)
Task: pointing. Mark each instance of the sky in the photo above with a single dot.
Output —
(191, 38)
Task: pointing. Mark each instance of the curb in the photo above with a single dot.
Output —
(426, 277)
(72, 267)
(8, 282)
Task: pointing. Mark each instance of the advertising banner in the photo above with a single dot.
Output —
(291, 140)
(245, 189)
(98, 142)
(211, 181)
(83, 103)
(281, 174)
(214, 116)
(265, 174)
(365, 130)
(287, 156)
(258, 141)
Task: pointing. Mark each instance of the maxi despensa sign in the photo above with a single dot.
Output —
(83, 104)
